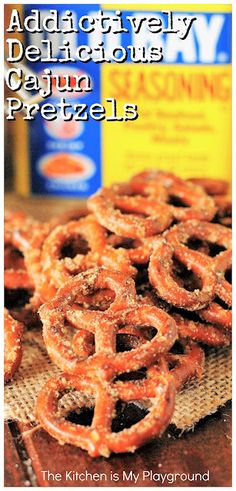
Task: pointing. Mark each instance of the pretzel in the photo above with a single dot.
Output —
(156, 391)
(62, 313)
(29, 239)
(120, 212)
(160, 275)
(215, 313)
(173, 245)
(15, 273)
(210, 185)
(187, 365)
(15, 279)
(205, 333)
(27, 236)
(13, 331)
(91, 249)
(162, 186)
(98, 438)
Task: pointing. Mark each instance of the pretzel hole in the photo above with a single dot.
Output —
(228, 275)
(125, 212)
(177, 201)
(125, 243)
(184, 277)
(221, 302)
(204, 246)
(126, 342)
(137, 375)
(83, 417)
(177, 348)
(141, 277)
(100, 300)
(16, 298)
(127, 414)
(73, 246)
(76, 407)
(129, 341)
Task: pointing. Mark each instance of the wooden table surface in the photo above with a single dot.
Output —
(37, 459)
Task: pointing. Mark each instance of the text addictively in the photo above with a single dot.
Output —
(59, 39)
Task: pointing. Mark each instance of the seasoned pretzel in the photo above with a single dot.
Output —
(15, 279)
(160, 275)
(121, 213)
(205, 333)
(162, 186)
(13, 331)
(27, 236)
(62, 312)
(156, 391)
(98, 438)
(215, 313)
(15, 273)
(210, 185)
(173, 244)
(29, 240)
(187, 365)
(90, 241)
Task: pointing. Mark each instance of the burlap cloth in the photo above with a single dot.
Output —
(195, 401)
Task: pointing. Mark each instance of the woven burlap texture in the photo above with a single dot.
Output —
(194, 402)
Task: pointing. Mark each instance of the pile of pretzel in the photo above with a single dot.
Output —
(129, 292)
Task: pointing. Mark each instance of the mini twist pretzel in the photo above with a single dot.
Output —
(187, 366)
(205, 333)
(122, 213)
(61, 312)
(162, 186)
(174, 245)
(98, 438)
(215, 313)
(221, 236)
(94, 252)
(183, 367)
(156, 391)
(13, 331)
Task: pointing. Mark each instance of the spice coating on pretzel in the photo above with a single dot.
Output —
(98, 439)
(64, 312)
(162, 186)
(108, 207)
(13, 331)
(94, 251)
(127, 288)
(174, 244)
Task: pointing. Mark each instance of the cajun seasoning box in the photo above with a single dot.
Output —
(184, 106)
